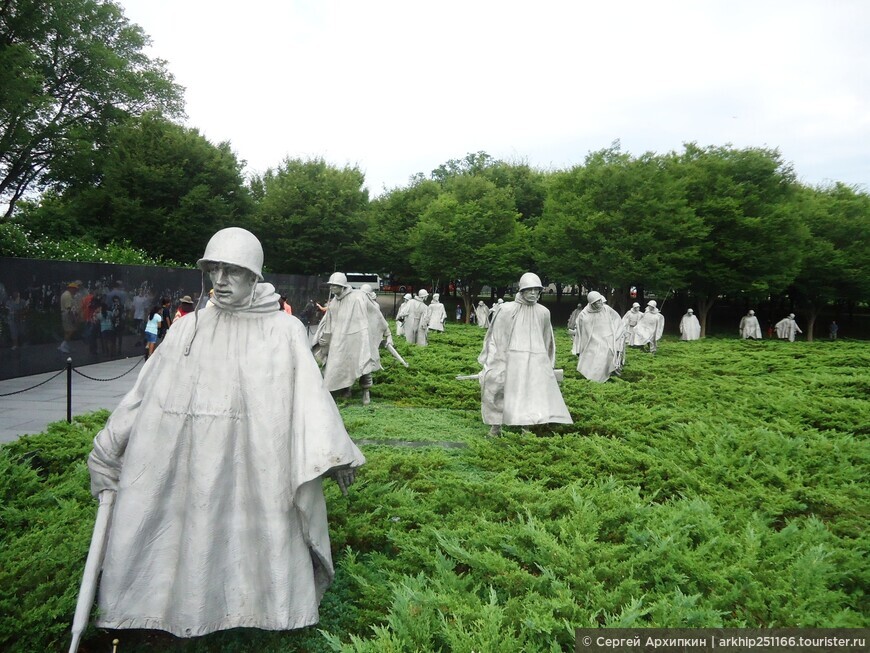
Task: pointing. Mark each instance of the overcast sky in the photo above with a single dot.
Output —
(399, 87)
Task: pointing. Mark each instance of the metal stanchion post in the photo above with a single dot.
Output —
(69, 390)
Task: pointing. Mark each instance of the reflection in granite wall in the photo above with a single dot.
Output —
(31, 294)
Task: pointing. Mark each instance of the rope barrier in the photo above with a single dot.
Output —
(51, 378)
(18, 392)
(114, 378)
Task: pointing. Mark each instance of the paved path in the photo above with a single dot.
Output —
(31, 411)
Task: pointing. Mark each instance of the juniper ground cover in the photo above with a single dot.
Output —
(720, 483)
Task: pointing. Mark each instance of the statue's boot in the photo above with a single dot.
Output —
(495, 430)
(367, 397)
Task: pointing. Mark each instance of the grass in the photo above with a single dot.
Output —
(720, 483)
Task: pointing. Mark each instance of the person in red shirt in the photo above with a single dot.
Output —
(185, 306)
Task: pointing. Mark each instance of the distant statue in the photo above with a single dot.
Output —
(749, 326)
(437, 314)
(417, 320)
(518, 384)
(599, 339)
(368, 290)
(690, 328)
(481, 313)
(649, 328)
(217, 457)
(833, 330)
(787, 328)
(495, 308)
(348, 338)
(630, 320)
(572, 321)
(402, 313)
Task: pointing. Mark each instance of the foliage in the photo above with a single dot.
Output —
(163, 187)
(720, 483)
(526, 185)
(17, 242)
(470, 233)
(396, 231)
(618, 221)
(836, 262)
(310, 216)
(69, 69)
(754, 240)
(45, 501)
(390, 221)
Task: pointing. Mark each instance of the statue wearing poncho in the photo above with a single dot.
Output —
(402, 313)
(481, 313)
(749, 326)
(349, 336)
(437, 314)
(599, 339)
(690, 327)
(649, 328)
(217, 455)
(518, 383)
(787, 328)
(417, 320)
(629, 321)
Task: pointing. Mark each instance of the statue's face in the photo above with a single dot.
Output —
(233, 285)
(335, 289)
(596, 306)
(531, 295)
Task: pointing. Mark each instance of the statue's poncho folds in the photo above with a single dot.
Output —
(417, 322)
(690, 327)
(353, 329)
(749, 327)
(599, 340)
(518, 384)
(217, 458)
(649, 328)
(437, 315)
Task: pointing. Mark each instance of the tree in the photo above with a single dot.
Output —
(310, 216)
(525, 183)
(617, 221)
(473, 164)
(391, 220)
(162, 187)
(754, 241)
(69, 70)
(835, 267)
(470, 233)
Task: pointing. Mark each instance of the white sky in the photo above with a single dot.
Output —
(400, 86)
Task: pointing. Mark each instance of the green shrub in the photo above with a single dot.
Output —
(17, 242)
(719, 483)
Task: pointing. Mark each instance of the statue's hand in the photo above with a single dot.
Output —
(344, 476)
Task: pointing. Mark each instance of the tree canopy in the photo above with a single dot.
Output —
(753, 248)
(310, 216)
(471, 233)
(163, 187)
(69, 70)
(618, 221)
(390, 223)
